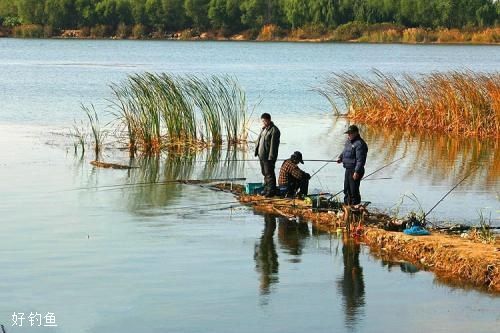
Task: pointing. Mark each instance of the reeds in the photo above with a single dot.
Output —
(460, 103)
(98, 133)
(166, 111)
(79, 134)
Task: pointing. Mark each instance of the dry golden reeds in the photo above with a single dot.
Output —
(460, 103)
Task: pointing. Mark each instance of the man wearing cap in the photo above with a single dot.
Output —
(353, 158)
(267, 150)
(292, 178)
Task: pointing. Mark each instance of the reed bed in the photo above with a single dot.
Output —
(460, 103)
(165, 111)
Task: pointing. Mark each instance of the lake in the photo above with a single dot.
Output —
(107, 257)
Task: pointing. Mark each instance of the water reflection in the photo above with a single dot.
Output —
(351, 285)
(151, 170)
(441, 158)
(266, 257)
(292, 236)
(148, 195)
(404, 266)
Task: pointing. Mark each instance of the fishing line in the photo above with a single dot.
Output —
(371, 174)
(180, 181)
(324, 165)
(451, 190)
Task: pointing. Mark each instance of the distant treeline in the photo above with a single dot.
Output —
(232, 16)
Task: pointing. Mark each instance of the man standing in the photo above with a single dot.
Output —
(292, 177)
(354, 158)
(267, 150)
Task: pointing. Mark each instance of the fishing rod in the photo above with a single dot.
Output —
(324, 165)
(451, 190)
(256, 160)
(374, 172)
(180, 181)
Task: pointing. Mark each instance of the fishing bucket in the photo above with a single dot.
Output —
(253, 188)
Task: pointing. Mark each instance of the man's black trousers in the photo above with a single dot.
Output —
(267, 169)
(351, 188)
(294, 184)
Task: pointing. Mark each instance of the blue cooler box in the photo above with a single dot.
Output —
(253, 188)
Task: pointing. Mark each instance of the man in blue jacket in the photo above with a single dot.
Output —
(354, 158)
(267, 150)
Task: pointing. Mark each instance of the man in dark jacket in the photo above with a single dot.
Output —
(267, 150)
(292, 178)
(354, 158)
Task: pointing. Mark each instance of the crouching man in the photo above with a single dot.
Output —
(292, 178)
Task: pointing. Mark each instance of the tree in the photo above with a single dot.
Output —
(31, 11)
(322, 12)
(225, 14)
(197, 11)
(138, 8)
(297, 12)
(174, 14)
(256, 13)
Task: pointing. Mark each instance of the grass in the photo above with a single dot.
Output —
(484, 232)
(78, 132)
(413, 217)
(460, 103)
(165, 111)
(98, 133)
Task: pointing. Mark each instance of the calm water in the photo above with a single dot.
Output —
(144, 259)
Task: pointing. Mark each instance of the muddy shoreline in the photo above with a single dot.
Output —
(455, 260)
(435, 37)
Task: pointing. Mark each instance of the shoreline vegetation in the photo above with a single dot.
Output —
(467, 259)
(351, 33)
(459, 103)
(375, 21)
(154, 112)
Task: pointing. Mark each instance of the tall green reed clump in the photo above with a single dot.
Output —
(163, 110)
(98, 133)
(461, 103)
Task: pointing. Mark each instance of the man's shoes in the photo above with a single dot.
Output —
(263, 193)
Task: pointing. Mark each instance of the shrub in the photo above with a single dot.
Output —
(99, 31)
(449, 36)
(139, 31)
(84, 32)
(310, 31)
(48, 31)
(488, 36)
(11, 21)
(415, 35)
(349, 31)
(28, 31)
(381, 36)
(269, 32)
(122, 31)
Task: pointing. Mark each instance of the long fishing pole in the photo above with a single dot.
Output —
(256, 160)
(180, 181)
(374, 172)
(451, 190)
(324, 165)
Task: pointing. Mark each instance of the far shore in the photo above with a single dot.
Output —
(381, 35)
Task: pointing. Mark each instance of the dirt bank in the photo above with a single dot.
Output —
(451, 258)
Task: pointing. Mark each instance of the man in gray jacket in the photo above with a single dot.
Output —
(267, 150)
(354, 158)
